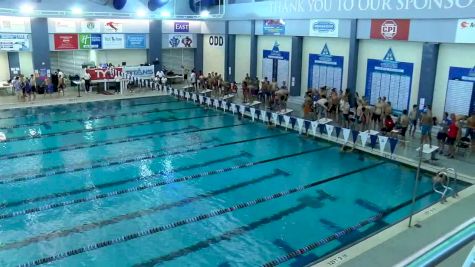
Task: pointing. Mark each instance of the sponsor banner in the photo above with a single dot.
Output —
(90, 27)
(390, 29)
(90, 41)
(140, 71)
(136, 41)
(12, 25)
(181, 26)
(66, 26)
(180, 40)
(324, 27)
(15, 42)
(66, 41)
(273, 27)
(112, 26)
(465, 31)
(104, 73)
(113, 41)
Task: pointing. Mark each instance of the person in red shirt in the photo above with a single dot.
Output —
(388, 124)
(452, 135)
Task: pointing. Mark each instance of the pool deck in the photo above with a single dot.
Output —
(398, 242)
(383, 249)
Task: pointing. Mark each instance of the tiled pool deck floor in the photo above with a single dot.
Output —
(384, 249)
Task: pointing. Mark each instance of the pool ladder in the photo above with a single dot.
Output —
(446, 187)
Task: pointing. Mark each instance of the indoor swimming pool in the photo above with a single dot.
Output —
(157, 181)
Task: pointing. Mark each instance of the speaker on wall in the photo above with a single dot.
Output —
(198, 5)
(119, 4)
(155, 4)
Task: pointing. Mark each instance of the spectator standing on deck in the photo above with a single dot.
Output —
(452, 135)
(193, 79)
(413, 119)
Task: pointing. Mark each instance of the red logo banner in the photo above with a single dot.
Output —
(66, 42)
(390, 29)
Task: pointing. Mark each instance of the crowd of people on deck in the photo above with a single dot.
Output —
(356, 113)
(27, 87)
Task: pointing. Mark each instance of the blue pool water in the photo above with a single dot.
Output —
(137, 183)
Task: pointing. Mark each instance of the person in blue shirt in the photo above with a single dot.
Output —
(442, 134)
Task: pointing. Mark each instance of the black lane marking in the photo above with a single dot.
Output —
(104, 128)
(80, 109)
(179, 223)
(151, 185)
(315, 202)
(340, 234)
(138, 178)
(137, 214)
(47, 124)
(114, 141)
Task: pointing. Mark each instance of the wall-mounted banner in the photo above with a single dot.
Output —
(465, 31)
(65, 26)
(90, 41)
(135, 41)
(324, 27)
(391, 79)
(275, 65)
(180, 40)
(216, 40)
(273, 27)
(15, 42)
(90, 27)
(325, 69)
(66, 41)
(12, 25)
(112, 26)
(104, 73)
(460, 98)
(113, 41)
(390, 29)
(145, 72)
(181, 26)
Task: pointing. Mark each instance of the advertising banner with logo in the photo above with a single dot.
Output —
(90, 27)
(465, 31)
(90, 41)
(104, 74)
(12, 25)
(15, 42)
(113, 41)
(145, 72)
(390, 29)
(180, 40)
(112, 26)
(273, 27)
(66, 26)
(66, 41)
(324, 27)
(180, 26)
(135, 41)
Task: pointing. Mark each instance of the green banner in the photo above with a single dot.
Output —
(90, 41)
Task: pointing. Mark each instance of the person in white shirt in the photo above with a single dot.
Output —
(160, 74)
(164, 81)
(193, 79)
(87, 81)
